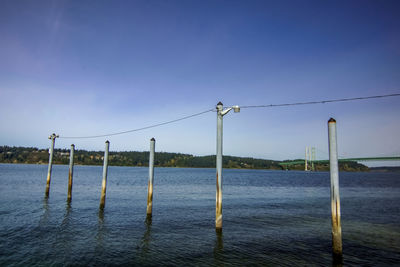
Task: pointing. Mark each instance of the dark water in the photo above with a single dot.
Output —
(269, 218)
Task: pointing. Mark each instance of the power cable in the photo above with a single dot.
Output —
(138, 129)
(320, 101)
(210, 110)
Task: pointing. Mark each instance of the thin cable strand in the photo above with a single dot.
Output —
(255, 106)
(138, 129)
(320, 102)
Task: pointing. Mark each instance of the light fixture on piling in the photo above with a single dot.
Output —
(236, 109)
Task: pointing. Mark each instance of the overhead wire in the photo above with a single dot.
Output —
(137, 129)
(320, 101)
(213, 109)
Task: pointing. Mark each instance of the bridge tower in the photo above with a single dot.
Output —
(305, 163)
(312, 158)
(309, 159)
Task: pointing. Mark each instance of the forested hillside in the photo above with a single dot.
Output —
(32, 155)
(128, 158)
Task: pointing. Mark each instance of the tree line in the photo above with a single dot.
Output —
(33, 155)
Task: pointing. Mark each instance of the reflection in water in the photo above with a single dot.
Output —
(66, 218)
(45, 203)
(65, 230)
(218, 247)
(45, 217)
(337, 261)
(100, 232)
(101, 217)
(145, 242)
(149, 219)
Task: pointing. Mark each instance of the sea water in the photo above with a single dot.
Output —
(269, 218)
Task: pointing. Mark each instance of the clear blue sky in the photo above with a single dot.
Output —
(94, 67)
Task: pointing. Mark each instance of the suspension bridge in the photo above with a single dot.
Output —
(296, 162)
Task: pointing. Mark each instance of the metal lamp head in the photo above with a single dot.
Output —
(236, 109)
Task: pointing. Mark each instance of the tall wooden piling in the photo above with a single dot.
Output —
(151, 178)
(218, 198)
(51, 152)
(104, 183)
(335, 198)
(71, 172)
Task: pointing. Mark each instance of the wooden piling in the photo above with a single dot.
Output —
(71, 172)
(335, 198)
(218, 198)
(104, 183)
(151, 179)
(51, 152)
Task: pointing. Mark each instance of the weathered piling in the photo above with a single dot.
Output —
(151, 178)
(218, 207)
(335, 198)
(53, 139)
(104, 183)
(71, 171)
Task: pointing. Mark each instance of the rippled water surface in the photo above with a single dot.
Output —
(269, 218)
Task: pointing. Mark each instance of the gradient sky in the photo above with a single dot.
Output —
(93, 67)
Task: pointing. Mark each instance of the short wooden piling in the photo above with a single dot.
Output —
(104, 183)
(71, 172)
(335, 198)
(151, 179)
(52, 138)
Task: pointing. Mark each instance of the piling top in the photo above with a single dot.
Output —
(331, 120)
(152, 139)
(53, 136)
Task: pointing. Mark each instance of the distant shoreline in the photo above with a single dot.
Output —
(32, 155)
(384, 169)
(370, 169)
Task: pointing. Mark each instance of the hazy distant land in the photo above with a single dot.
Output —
(32, 155)
(385, 169)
